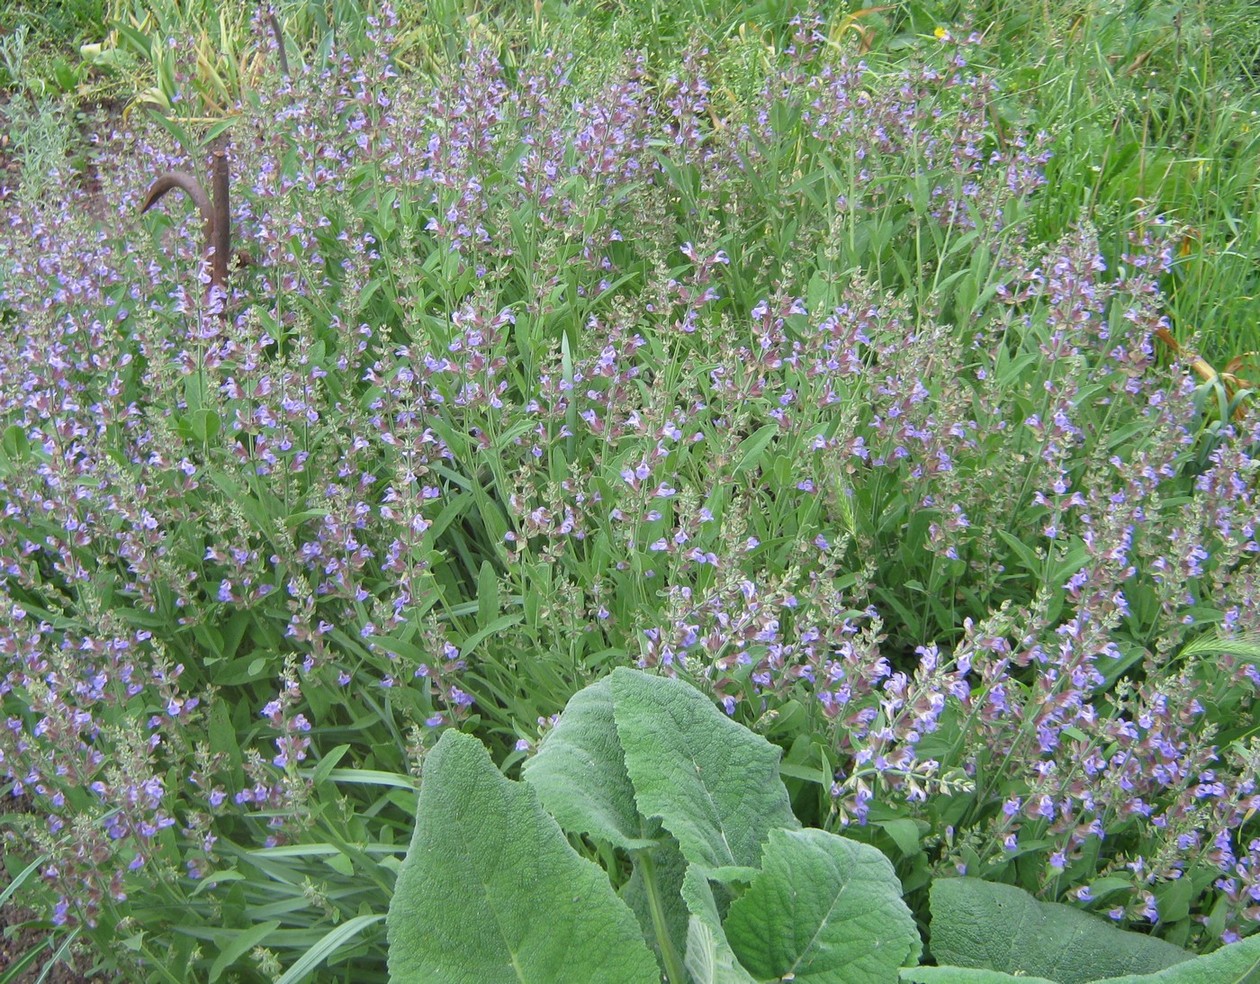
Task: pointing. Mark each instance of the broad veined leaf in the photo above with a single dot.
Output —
(1238, 963)
(491, 891)
(714, 784)
(823, 910)
(580, 773)
(964, 975)
(710, 959)
(1000, 927)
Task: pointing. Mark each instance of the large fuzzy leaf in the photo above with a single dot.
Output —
(491, 892)
(709, 956)
(580, 773)
(714, 784)
(823, 910)
(1238, 963)
(1000, 927)
(964, 975)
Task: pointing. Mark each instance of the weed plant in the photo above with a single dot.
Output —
(38, 123)
(808, 374)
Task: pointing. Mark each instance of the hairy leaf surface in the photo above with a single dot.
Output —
(964, 975)
(823, 910)
(714, 784)
(1001, 927)
(1238, 963)
(710, 959)
(580, 772)
(492, 892)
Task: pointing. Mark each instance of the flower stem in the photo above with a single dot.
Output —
(674, 971)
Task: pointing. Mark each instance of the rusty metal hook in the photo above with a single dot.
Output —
(216, 219)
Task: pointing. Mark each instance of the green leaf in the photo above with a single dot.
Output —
(372, 777)
(1027, 555)
(498, 626)
(487, 595)
(213, 879)
(15, 442)
(1000, 927)
(238, 945)
(814, 775)
(904, 833)
(15, 968)
(20, 879)
(218, 128)
(491, 891)
(326, 764)
(138, 40)
(825, 910)
(660, 873)
(1101, 888)
(1174, 898)
(326, 947)
(14, 971)
(580, 774)
(401, 647)
(222, 734)
(710, 959)
(1238, 963)
(818, 295)
(714, 784)
(196, 391)
(964, 975)
(205, 425)
(752, 447)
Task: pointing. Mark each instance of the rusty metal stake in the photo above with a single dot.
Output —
(216, 219)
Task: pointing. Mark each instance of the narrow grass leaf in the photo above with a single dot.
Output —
(329, 762)
(15, 970)
(372, 777)
(21, 877)
(56, 957)
(326, 947)
(240, 943)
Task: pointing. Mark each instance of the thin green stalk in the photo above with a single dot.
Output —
(674, 971)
